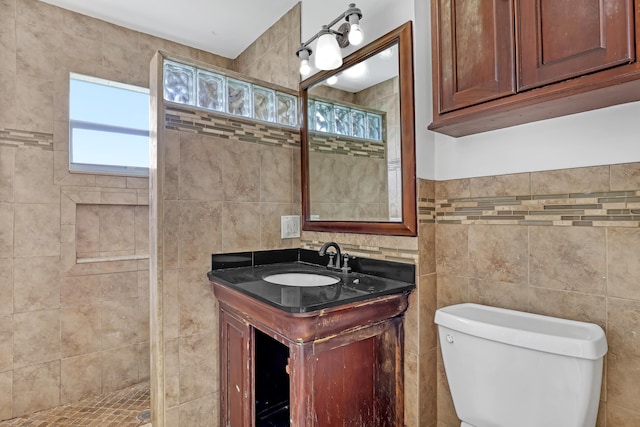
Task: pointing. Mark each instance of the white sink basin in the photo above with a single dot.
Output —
(301, 279)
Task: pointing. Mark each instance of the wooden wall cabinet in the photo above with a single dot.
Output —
(343, 364)
(499, 63)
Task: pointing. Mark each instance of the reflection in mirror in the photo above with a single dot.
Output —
(358, 141)
(353, 133)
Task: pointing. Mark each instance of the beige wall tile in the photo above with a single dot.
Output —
(34, 94)
(120, 322)
(79, 290)
(625, 176)
(111, 181)
(270, 214)
(81, 330)
(427, 248)
(452, 249)
(445, 409)
(568, 258)
(240, 226)
(119, 285)
(36, 387)
(87, 231)
(171, 304)
(199, 233)
(34, 177)
(171, 234)
(276, 175)
(514, 296)
(144, 361)
(172, 372)
(80, 377)
(452, 289)
(142, 229)
(568, 305)
(501, 185)
(621, 417)
(197, 303)
(578, 180)
(6, 230)
(36, 337)
(119, 368)
(623, 359)
(498, 253)
(117, 228)
(6, 286)
(36, 283)
(36, 50)
(427, 292)
(8, 111)
(6, 395)
(623, 247)
(7, 168)
(198, 365)
(427, 387)
(200, 168)
(199, 412)
(240, 164)
(453, 189)
(412, 325)
(6, 348)
(37, 230)
(411, 410)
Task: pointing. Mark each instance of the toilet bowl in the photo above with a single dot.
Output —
(507, 368)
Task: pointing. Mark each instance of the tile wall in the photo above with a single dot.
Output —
(74, 298)
(563, 243)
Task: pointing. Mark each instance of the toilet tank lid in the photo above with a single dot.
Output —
(543, 333)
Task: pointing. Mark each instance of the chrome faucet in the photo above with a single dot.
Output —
(338, 257)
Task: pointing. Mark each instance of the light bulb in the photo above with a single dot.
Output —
(332, 80)
(305, 68)
(355, 35)
(328, 55)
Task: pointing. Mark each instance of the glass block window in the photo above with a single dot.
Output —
(108, 127)
(342, 120)
(185, 84)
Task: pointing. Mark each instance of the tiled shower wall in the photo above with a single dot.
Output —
(72, 323)
(564, 243)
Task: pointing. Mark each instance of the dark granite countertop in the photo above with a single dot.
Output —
(368, 279)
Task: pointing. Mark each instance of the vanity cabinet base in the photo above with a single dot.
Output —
(350, 377)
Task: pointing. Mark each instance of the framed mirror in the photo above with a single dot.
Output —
(358, 141)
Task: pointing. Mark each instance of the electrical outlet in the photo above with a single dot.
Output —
(289, 226)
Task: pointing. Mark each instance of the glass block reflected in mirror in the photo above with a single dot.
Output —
(179, 83)
(210, 91)
(323, 116)
(374, 125)
(342, 120)
(358, 123)
(287, 109)
(239, 98)
(264, 104)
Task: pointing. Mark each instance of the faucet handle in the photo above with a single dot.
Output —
(331, 255)
(345, 266)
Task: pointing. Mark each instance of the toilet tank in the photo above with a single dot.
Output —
(508, 368)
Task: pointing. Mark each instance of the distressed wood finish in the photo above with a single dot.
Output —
(572, 56)
(345, 363)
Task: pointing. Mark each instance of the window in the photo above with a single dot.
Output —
(108, 127)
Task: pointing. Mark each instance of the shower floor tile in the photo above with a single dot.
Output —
(118, 409)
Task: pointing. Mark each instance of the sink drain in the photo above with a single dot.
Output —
(145, 415)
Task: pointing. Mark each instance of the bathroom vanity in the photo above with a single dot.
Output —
(310, 355)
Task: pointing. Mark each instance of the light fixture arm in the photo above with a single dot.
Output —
(352, 15)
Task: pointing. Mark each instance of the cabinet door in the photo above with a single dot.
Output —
(235, 372)
(474, 48)
(561, 39)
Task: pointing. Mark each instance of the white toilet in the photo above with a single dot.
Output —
(507, 368)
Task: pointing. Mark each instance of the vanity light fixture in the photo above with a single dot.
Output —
(328, 55)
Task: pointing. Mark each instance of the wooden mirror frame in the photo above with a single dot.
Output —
(402, 36)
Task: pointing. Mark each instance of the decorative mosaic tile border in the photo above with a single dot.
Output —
(601, 209)
(232, 128)
(19, 138)
(426, 211)
(347, 146)
(377, 252)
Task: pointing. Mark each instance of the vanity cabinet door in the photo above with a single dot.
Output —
(235, 371)
(559, 40)
(474, 51)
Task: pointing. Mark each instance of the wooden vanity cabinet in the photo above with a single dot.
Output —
(344, 363)
(498, 63)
